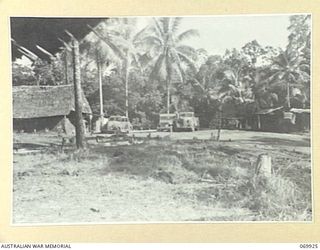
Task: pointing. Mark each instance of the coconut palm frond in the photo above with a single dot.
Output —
(186, 35)
(179, 71)
(138, 36)
(109, 43)
(151, 40)
(158, 68)
(165, 21)
(188, 50)
(188, 61)
(122, 43)
(157, 27)
(105, 53)
(176, 22)
(274, 76)
(178, 65)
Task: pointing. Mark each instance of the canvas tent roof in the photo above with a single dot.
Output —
(45, 101)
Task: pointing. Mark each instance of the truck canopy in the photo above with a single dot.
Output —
(186, 114)
(165, 117)
(118, 118)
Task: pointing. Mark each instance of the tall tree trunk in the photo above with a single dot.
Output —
(220, 121)
(100, 89)
(127, 92)
(66, 67)
(168, 96)
(77, 94)
(288, 94)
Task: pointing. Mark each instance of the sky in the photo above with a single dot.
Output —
(218, 33)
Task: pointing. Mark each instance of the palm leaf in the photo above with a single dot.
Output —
(175, 24)
(165, 24)
(138, 35)
(152, 39)
(186, 35)
(188, 60)
(157, 27)
(158, 71)
(114, 48)
(187, 50)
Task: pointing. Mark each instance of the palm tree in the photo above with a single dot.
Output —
(129, 39)
(124, 40)
(99, 45)
(169, 53)
(289, 70)
(262, 93)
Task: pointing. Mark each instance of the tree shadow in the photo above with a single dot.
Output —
(304, 142)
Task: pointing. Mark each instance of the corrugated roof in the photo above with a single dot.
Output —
(45, 101)
(268, 111)
(299, 111)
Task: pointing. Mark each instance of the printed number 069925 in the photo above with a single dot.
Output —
(308, 245)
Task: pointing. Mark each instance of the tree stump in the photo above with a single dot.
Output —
(263, 165)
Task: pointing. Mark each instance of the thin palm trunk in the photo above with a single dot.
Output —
(168, 96)
(288, 95)
(220, 122)
(127, 92)
(100, 89)
(66, 67)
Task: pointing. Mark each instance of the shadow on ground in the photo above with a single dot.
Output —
(305, 142)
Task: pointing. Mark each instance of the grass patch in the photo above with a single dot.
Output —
(206, 176)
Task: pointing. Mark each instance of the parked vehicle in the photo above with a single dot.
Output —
(117, 124)
(225, 123)
(186, 121)
(166, 122)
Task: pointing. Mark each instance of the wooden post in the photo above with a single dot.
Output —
(263, 165)
(77, 94)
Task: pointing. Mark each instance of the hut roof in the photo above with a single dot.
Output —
(268, 111)
(45, 31)
(299, 111)
(45, 101)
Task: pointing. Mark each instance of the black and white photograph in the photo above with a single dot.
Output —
(161, 119)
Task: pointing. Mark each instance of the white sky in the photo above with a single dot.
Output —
(218, 33)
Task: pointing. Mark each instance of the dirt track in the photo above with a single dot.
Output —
(299, 142)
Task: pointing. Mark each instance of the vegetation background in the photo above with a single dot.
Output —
(151, 70)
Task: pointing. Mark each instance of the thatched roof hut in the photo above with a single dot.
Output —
(37, 108)
(45, 101)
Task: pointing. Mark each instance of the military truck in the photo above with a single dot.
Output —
(166, 122)
(185, 121)
(117, 124)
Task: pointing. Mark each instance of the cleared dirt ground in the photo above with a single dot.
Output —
(177, 177)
